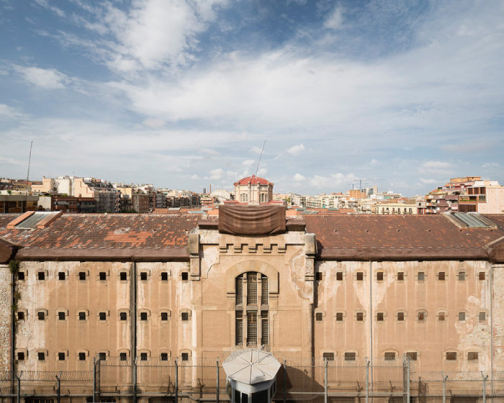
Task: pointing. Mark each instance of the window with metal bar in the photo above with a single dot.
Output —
(251, 288)
(239, 290)
(264, 328)
(252, 328)
(264, 290)
(239, 328)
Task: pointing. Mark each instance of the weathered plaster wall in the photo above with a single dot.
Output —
(430, 338)
(5, 317)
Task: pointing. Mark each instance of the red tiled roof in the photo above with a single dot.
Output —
(104, 232)
(253, 180)
(400, 237)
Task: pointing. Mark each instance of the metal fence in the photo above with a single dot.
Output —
(299, 380)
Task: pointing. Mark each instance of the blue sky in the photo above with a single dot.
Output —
(182, 94)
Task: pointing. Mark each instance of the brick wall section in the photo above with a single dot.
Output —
(5, 317)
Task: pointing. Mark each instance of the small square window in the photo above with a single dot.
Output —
(82, 356)
(360, 276)
(339, 276)
(350, 356)
(164, 276)
(482, 316)
(360, 316)
(164, 315)
(21, 356)
(82, 276)
(421, 276)
(451, 356)
(441, 276)
(102, 356)
(319, 316)
(421, 316)
(441, 316)
(41, 315)
(143, 276)
(339, 316)
(482, 275)
(185, 276)
(461, 316)
(379, 276)
(61, 275)
(461, 276)
(379, 316)
(390, 356)
(41, 356)
(123, 316)
(103, 315)
(400, 316)
(412, 355)
(21, 316)
(41, 275)
(103, 276)
(164, 356)
(318, 276)
(143, 356)
(123, 276)
(82, 315)
(400, 276)
(185, 316)
(61, 356)
(143, 315)
(21, 275)
(61, 315)
(185, 356)
(123, 356)
(328, 356)
(472, 356)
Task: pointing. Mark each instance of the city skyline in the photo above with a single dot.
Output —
(183, 94)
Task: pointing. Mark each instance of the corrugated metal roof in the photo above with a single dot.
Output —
(32, 221)
(471, 220)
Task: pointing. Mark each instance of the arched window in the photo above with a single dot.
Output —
(251, 309)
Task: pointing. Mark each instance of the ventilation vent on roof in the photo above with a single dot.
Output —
(32, 221)
(473, 220)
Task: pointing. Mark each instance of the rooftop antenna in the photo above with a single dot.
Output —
(259, 162)
(29, 163)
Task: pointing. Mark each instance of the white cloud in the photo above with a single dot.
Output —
(4, 73)
(154, 123)
(216, 174)
(13, 161)
(44, 78)
(45, 4)
(296, 150)
(194, 177)
(8, 112)
(299, 178)
(262, 172)
(335, 19)
(438, 168)
(249, 163)
(429, 181)
(333, 181)
(491, 165)
(256, 150)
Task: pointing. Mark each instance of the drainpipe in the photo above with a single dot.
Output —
(13, 333)
(371, 322)
(133, 317)
(491, 329)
